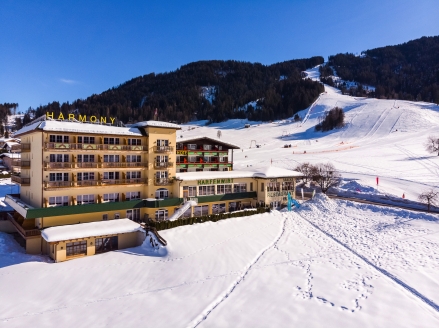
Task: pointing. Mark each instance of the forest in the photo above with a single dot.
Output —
(178, 96)
(409, 71)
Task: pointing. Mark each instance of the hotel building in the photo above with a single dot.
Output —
(78, 178)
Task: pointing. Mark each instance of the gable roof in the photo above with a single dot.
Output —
(210, 140)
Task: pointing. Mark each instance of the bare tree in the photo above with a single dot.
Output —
(429, 198)
(326, 176)
(219, 134)
(307, 170)
(432, 144)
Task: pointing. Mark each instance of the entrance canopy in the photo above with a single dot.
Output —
(92, 229)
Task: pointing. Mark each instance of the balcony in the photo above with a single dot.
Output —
(92, 165)
(162, 181)
(163, 149)
(20, 180)
(91, 147)
(92, 183)
(123, 182)
(23, 232)
(21, 164)
(161, 165)
(23, 148)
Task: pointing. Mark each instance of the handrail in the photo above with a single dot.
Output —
(82, 146)
(92, 165)
(163, 149)
(156, 234)
(91, 183)
(20, 180)
(163, 164)
(23, 232)
(162, 181)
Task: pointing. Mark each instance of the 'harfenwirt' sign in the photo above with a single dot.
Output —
(79, 117)
(214, 181)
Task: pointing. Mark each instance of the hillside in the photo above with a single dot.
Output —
(212, 90)
(409, 71)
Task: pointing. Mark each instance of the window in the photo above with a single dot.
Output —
(161, 174)
(111, 158)
(132, 195)
(59, 201)
(86, 140)
(240, 187)
(85, 199)
(58, 138)
(191, 146)
(201, 210)
(111, 175)
(134, 158)
(206, 190)
(162, 143)
(76, 248)
(57, 158)
(103, 245)
(58, 177)
(161, 215)
(113, 197)
(85, 176)
(134, 214)
(104, 217)
(287, 185)
(251, 186)
(111, 141)
(134, 142)
(273, 186)
(218, 208)
(224, 189)
(86, 158)
(161, 159)
(161, 193)
(192, 159)
(207, 147)
(262, 187)
(234, 206)
(133, 175)
(189, 191)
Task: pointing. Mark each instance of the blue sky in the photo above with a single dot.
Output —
(64, 50)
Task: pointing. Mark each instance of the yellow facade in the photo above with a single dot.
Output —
(81, 174)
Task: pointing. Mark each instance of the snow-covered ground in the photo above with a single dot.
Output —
(329, 263)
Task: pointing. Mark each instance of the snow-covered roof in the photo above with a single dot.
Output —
(94, 128)
(267, 173)
(91, 229)
(211, 140)
(11, 143)
(156, 124)
(276, 172)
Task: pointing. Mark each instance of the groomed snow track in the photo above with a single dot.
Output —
(387, 274)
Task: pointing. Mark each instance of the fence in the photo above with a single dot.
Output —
(163, 225)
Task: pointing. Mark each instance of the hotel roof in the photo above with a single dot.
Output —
(211, 140)
(270, 172)
(92, 128)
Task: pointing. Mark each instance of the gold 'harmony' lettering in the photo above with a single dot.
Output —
(81, 118)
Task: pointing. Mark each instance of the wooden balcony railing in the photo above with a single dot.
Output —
(92, 183)
(23, 232)
(161, 165)
(93, 147)
(23, 147)
(163, 149)
(162, 181)
(91, 165)
(20, 180)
